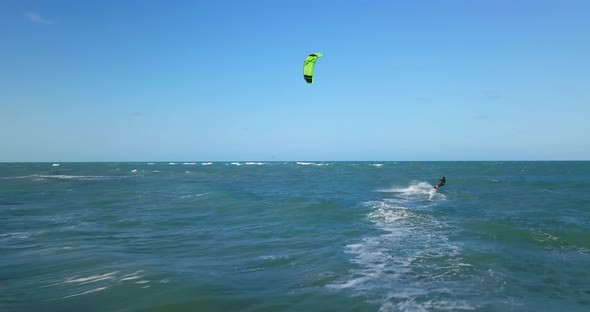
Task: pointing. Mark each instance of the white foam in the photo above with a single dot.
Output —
(74, 177)
(55, 165)
(189, 163)
(273, 257)
(310, 164)
(194, 195)
(415, 187)
(91, 279)
(255, 163)
(411, 258)
(377, 165)
(207, 163)
(22, 177)
(134, 170)
(543, 237)
(130, 278)
(416, 190)
(150, 164)
(236, 164)
(172, 164)
(86, 292)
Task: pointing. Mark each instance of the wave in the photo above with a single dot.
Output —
(83, 285)
(38, 177)
(301, 163)
(255, 163)
(207, 163)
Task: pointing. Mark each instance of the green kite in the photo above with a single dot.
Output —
(309, 65)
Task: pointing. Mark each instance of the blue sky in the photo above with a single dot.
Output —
(222, 80)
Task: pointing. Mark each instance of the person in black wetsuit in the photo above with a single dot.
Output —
(442, 182)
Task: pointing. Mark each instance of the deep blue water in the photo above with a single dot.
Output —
(288, 236)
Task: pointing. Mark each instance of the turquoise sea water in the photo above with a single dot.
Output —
(289, 236)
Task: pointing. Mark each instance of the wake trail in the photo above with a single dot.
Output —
(410, 258)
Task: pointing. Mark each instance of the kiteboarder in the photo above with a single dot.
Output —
(442, 182)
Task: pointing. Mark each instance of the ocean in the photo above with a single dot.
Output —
(295, 236)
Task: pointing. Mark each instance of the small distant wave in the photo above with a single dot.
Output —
(271, 257)
(91, 279)
(255, 163)
(301, 163)
(236, 164)
(207, 163)
(193, 195)
(85, 292)
(38, 177)
(172, 164)
(55, 165)
(377, 165)
(150, 164)
(78, 178)
(21, 177)
(189, 163)
(15, 236)
(83, 285)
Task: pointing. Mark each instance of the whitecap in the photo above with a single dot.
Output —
(302, 163)
(90, 279)
(75, 177)
(86, 292)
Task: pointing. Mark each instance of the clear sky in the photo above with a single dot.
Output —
(222, 80)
